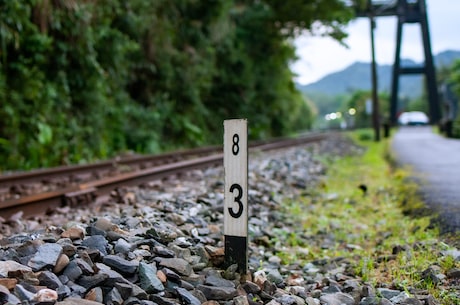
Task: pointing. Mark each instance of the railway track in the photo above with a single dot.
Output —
(15, 185)
(79, 185)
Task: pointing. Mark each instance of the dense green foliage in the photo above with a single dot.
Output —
(84, 79)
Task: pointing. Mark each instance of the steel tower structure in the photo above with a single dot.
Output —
(408, 12)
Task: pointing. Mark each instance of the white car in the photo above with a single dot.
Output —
(413, 118)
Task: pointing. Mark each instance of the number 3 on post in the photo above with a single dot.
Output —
(236, 193)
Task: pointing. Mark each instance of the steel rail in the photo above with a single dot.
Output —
(7, 180)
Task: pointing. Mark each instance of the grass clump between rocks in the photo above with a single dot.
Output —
(365, 211)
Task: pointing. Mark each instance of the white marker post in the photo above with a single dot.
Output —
(236, 193)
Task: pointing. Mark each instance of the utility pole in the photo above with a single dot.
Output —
(375, 100)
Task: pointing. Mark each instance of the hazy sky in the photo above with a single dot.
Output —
(319, 56)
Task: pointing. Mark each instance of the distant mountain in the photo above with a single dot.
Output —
(357, 76)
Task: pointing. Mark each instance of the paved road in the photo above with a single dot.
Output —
(436, 164)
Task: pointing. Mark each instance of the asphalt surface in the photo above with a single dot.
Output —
(435, 161)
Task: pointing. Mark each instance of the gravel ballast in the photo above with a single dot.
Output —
(162, 243)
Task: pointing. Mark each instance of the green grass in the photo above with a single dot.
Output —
(367, 227)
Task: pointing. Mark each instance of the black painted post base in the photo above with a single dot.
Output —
(236, 249)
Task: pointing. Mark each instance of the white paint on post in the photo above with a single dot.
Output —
(236, 193)
(236, 177)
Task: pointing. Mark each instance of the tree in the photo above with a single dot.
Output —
(82, 80)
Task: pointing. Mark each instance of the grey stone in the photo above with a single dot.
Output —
(162, 300)
(338, 298)
(241, 300)
(141, 254)
(388, 293)
(148, 278)
(214, 280)
(171, 286)
(251, 287)
(124, 289)
(171, 275)
(184, 253)
(68, 248)
(186, 297)
(331, 289)
(136, 301)
(121, 265)
(400, 297)
(411, 301)
(178, 265)
(93, 231)
(274, 302)
(91, 281)
(28, 248)
(4, 294)
(85, 267)
(77, 290)
(113, 235)
(163, 232)
(311, 301)
(49, 279)
(370, 301)
(113, 278)
(202, 253)
(182, 242)
(186, 285)
(64, 279)
(368, 291)
(455, 253)
(163, 252)
(113, 297)
(351, 285)
(138, 292)
(269, 288)
(23, 293)
(45, 257)
(104, 224)
(112, 275)
(288, 299)
(217, 293)
(298, 291)
(385, 301)
(97, 242)
(122, 246)
(72, 271)
(133, 301)
(198, 294)
(12, 299)
(63, 292)
(274, 276)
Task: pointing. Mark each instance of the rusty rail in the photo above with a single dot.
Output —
(59, 171)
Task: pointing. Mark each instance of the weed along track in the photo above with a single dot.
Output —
(313, 238)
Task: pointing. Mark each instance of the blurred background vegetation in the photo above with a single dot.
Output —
(82, 80)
